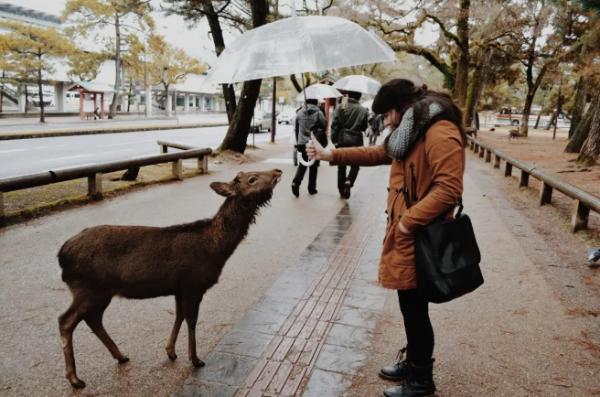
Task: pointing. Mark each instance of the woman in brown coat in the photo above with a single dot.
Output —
(426, 153)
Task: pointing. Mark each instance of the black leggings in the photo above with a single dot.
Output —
(419, 332)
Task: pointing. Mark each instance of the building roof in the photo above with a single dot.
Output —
(91, 87)
(11, 11)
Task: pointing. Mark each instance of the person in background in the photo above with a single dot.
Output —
(309, 119)
(375, 127)
(427, 157)
(350, 120)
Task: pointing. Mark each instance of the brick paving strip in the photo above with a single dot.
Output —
(308, 334)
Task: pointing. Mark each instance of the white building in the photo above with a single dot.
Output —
(189, 96)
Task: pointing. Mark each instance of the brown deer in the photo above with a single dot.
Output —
(140, 262)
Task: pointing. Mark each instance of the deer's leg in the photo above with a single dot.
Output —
(190, 312)
(93, 318)
(67, 322)
(175, 331)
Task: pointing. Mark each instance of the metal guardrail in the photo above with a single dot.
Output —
(584, 201)
(94, 172)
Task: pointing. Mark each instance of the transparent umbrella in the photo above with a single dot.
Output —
(358, 83)
(298, 45)
(318, 91)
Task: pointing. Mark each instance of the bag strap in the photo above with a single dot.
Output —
(408, 200)
(460, 207)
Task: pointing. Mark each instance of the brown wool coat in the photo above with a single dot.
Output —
(438, 164)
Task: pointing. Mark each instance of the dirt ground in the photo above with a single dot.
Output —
(548, 154)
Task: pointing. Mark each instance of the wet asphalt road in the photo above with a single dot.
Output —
(27, 156)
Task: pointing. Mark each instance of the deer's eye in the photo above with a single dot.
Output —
(252, 180)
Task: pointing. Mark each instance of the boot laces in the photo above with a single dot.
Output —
(400, 355)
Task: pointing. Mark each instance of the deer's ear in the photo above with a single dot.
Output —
(223, 188)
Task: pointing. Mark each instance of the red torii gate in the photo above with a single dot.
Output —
(91, 91)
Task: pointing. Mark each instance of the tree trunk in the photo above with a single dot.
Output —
(462, 66)
(217, 36)
(475, 89)
(526, 113)
(590, 151)
(583, 128)
(239, 127)
(579, 105)
(129, 94)
(115, 99)
(40, 90)
(296, 84)
(274, 111)
(537, 121)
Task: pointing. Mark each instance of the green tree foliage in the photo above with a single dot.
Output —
(85, 65)
(28, 52)
(91, 17)
(168, 65)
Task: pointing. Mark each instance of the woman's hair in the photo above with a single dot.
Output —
(400, 94)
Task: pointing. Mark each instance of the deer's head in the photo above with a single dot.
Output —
(253, 187)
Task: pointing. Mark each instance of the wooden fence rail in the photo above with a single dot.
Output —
(584, 202)
(94, 172)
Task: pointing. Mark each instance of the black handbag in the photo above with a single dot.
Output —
(351, 138)
(447, 259)
(446, 254)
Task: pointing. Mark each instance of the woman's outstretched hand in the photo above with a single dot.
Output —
(316, 151)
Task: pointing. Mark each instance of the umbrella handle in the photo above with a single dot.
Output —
(305, 163)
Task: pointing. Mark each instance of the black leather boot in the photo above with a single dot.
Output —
(419, 383)
(397, 371)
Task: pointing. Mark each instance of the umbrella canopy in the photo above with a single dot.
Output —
(358, 83)
(367, 104)
(318, 91)
(298, 45)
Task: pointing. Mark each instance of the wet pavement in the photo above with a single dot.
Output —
(309, 333)
(297, 311)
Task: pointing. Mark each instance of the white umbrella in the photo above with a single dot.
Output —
(318, 91)
(358, 83)
(367, 104)
(298, 45)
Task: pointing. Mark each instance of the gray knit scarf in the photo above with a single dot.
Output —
(402, 139)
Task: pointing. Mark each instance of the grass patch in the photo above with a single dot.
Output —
(21, 205)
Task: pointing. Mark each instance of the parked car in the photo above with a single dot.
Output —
(285, 118)
(261, 122)
(513, 117)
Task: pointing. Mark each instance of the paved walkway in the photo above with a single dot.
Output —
(308, 334)
(297, 311)
(321, 329)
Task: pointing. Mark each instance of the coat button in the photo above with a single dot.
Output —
(385, 211)
(388, 188)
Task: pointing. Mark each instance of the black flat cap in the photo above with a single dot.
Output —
(392, 94)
